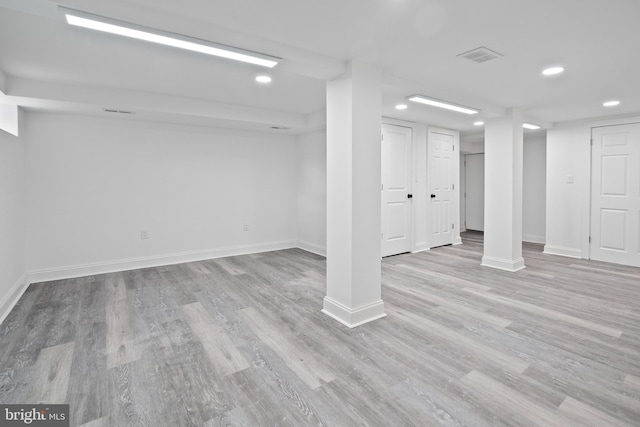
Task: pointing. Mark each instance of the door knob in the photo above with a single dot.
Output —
(409, 196)
(433, 196)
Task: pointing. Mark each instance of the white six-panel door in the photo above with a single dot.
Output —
(615, 194)
(440, 170)
(396, 189)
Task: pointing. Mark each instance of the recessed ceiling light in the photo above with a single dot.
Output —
(112, 26)
(442, 104)
(611, 104)
(401, 107)
(530, 126)
(552, 71)
(263, 79)
(478, 123)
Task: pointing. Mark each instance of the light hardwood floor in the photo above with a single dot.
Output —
(242, 341)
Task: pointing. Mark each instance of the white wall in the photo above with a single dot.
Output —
(568, 154)
(95, 183)
(312, 192)
(12, 218)
(534, 188)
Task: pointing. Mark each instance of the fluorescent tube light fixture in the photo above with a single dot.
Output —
(611, 104)
(530, 126)
(442, 104)
(112, 26)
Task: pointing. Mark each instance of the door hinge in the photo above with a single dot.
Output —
(452, 226)
(382, 137)
(381, 236)
(591, 141)
(454, 148)
(382, 187)
(589, 239)
(453, 186)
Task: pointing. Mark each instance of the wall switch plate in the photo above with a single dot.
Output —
(569, 179)
(144, 234)
(246, 227)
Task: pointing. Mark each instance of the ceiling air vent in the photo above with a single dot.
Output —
(480, 55)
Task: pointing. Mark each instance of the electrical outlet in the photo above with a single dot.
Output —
(144, 234)
(246, 227)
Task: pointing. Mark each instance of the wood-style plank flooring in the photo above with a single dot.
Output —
(242, 341)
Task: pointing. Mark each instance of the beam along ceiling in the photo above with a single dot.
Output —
(52, 66)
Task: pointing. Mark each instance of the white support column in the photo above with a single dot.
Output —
(503, 193)
(354, 105)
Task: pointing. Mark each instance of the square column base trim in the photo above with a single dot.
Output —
(353, 317)
(503, 264)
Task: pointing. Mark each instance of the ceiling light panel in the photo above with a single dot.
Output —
(611, 103)
(112, 26)
(442, 104)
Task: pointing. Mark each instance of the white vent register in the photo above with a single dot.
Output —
(480, 55)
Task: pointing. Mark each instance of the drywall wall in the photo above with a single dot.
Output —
(94, 184)
(534, 188)
(312, 192)
(568, 175)
(12, 218)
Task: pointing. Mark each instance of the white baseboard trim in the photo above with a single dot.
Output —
(11, 298)
(421, 247)
(313, 248)
(70, 272)
(457, 240)
(562, 251)
(534, 239)
(353, 317)
(503, 264)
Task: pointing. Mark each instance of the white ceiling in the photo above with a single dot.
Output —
(52, 66)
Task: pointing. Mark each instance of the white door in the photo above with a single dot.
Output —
(615, 194)
(474, 191)
(396, 190)
(441, 146)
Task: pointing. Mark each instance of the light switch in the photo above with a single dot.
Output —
(569, 179)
